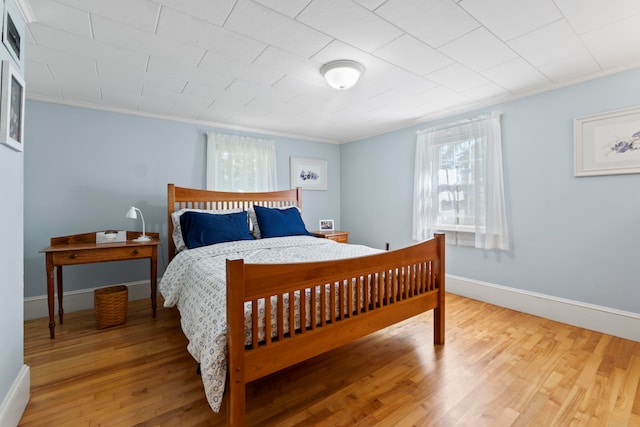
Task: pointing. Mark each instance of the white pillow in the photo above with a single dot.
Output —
(177, 231)
(255, 230)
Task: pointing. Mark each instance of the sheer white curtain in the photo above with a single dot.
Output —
(240, 163)
(485, 214)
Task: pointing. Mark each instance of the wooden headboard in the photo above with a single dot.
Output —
(190, 198)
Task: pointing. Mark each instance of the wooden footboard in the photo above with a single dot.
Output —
(362, 295)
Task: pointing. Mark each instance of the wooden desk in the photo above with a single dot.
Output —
(83, 249)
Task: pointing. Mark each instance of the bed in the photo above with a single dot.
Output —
(252, 307)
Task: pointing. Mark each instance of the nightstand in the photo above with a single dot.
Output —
(338, 236)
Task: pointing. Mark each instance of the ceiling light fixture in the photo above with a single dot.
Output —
(342, 74)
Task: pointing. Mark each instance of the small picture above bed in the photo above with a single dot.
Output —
(274, 222)
(203, 229)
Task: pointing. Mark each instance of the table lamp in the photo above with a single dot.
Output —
(132, 213)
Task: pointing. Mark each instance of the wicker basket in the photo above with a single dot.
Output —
(111, 306)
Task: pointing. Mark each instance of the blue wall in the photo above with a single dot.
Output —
(84, 168)
(574, 238)
(11, 249)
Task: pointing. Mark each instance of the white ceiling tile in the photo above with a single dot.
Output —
(196, 32)
(444, 98)
(177, 70)
(370, 4)
(571, 68)
(457, 77)
(40, 79)
(349, 22)
(548, 44)
(478, 50)
(76, 21)
(616, 44)
(510, 18)
(413, 55)
(400, 80)
(81, 46)
(588, 15)
(141, 14)
(213, 11)
(264, 24)
(485, 92)
(245, 91)
(286, 63)
(296, 86)
(158, 105)
(55, 57)
(516, 76)
(213, 65)
(118, 34)
(82, 93)
(291, 8)
(121, 98)
(435, 22)
(201, 91)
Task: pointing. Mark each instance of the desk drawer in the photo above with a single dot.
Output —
(101, 255)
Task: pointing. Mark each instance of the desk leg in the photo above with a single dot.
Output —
(60, 310)
(154, 278)
(50, 297)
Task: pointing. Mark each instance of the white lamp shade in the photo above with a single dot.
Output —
(131, 213)
(342, 74)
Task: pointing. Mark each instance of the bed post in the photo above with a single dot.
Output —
(171, 206)
(236, 405)
(438, 312)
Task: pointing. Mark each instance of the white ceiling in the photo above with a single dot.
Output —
(255, 64)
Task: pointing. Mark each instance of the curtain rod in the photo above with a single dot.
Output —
(457, 123)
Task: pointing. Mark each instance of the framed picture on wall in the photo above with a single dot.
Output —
(308, 174)
(607, 143)
(12, 107)
(11, 37)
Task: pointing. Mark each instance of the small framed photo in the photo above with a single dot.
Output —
(607, 143)
(308, 174)
(326, 225)
(12, 107)
(11, 37)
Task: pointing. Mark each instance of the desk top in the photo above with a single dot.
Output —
(88, 241)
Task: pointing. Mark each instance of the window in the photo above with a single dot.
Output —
(458, 185)
(240, 163)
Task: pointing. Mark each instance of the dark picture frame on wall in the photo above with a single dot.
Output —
(11, 36)
(12, 107)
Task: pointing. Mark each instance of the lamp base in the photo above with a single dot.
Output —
(142, 239)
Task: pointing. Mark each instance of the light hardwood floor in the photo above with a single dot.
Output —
(497, 368)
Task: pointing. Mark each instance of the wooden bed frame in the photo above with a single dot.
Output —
(393, 286)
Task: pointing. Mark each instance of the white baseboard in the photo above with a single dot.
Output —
(607, 320)
(36, 307)
(16, 400)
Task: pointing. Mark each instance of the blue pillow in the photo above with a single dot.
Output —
(280, 222)
(202, 229)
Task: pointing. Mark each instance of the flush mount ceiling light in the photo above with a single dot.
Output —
(342, 74)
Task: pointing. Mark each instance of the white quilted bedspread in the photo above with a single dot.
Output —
(195, 282)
